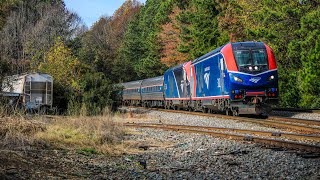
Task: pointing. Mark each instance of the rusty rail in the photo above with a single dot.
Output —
(215, 132)
(288, 124)
(244, 131)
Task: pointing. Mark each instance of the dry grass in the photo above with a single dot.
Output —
(86, 135)
(18, 132)
(100, 134)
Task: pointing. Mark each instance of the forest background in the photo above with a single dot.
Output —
(140, 41)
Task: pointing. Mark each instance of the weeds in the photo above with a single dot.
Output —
(18, 132)
(86, 135)
(99, 133)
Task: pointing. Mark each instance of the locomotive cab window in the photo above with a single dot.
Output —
(259, 58)
(251, 61)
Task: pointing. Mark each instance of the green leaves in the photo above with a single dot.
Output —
(139, 54)
(309, 48)
(199, 28)
(61, 65)
(96, 91)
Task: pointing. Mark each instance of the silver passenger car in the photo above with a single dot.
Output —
(131, 93)
(152, 92)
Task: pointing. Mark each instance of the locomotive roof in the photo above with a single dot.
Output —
(247, 45)
(208, 54)
(235, 46)
(132, 84)
(152, 81)
(175, 67)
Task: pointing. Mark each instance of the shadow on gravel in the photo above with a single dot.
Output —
(125, 110)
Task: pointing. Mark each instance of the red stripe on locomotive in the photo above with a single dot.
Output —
(194, 81)
(186, 67)
(271, 58)
(229, 57)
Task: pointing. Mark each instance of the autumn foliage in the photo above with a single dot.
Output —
(62, 65)
(170, 40)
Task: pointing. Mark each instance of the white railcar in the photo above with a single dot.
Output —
(32, 90)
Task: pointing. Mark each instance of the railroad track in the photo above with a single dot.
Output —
(221, 132)
(296, 125)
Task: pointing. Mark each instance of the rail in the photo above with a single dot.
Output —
(213, 131)
(282, 123)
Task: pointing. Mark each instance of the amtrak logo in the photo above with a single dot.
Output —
(206, 79)
(255, 79)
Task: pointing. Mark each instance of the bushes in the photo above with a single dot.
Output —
(97, 94)
(78, 89)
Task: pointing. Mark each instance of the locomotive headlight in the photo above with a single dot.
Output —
(271, 78)
(237, 79)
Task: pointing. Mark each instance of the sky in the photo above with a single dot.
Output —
(91, 10)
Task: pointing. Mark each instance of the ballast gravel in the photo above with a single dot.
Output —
(193, 156)
(154, 116)
(193, 120)
(298, 115)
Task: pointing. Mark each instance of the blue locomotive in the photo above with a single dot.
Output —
(237, 78)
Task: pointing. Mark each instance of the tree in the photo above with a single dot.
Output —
(140, 49)
(5, 7)
(170, 40)
(100, 45)
(309, 48)
(97, 93)
(31, 30)
(66, 71)
(199, 28)
(61, 65)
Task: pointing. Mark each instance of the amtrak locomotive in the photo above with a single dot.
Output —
(237, 78)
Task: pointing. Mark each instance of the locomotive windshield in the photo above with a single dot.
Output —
(251, 61)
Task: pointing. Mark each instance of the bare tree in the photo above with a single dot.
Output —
(32, 29)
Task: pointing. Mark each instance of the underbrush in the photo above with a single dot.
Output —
(8, 111)
(85, 135)
(18, 133)
(98, 133)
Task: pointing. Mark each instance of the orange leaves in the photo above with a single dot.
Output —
(121, 18)
(169, 39)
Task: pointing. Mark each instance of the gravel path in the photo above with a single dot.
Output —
(193, 156)
(166, 155)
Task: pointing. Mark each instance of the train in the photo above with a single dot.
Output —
(29, 91)
(236, 78)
